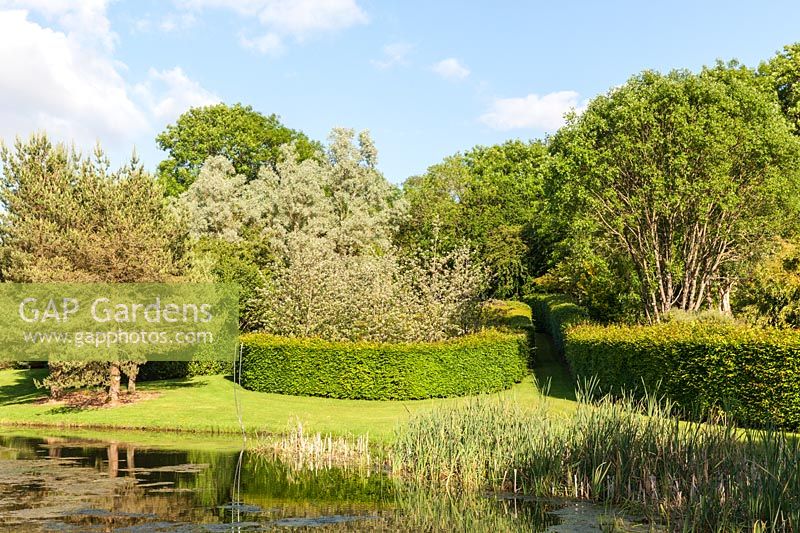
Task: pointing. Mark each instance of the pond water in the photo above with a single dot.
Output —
(52, 483)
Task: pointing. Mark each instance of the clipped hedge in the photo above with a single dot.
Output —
(484, 362)
(753, 374)
(158, 370)
(554, 314)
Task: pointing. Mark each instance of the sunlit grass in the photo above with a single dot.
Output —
(206, 404)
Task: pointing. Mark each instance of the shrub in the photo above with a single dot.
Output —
(321, 293)
(483, 362)
(553, 314)
(158, 370)
(752, 374)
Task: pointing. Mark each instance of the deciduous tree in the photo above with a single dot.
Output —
(690, 175)
(242, 135)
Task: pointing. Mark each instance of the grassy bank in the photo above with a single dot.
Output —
(206, 404)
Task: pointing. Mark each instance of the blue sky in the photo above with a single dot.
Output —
(428, 79)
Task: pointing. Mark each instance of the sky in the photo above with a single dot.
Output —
(427, 78)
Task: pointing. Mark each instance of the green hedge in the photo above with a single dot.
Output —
(753, 374)
(554, 314)
(483, 362)
(158, 370)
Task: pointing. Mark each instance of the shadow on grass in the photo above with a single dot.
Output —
(551, 373)
(170, 384)
(67, 409)
(23, 389)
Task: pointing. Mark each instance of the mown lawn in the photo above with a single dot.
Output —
(207, 403)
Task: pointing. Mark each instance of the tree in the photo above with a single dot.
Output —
(490, 198)
(245, 137)
(67, 219)
(783, 73)
(221, 204)
(365, 207)
(320, 292)
(242, 231)
(771, 294)
(689, 175)
(341, 196)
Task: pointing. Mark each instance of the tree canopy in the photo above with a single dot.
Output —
(783, 72)
(688, 175)
(245, 137)
(490, 198)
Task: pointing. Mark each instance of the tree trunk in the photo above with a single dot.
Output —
(113, 387)
(133, 371)
(725, 298)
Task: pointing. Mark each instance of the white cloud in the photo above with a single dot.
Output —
(269, 43)
(52, 80)
(394, 54)
(167, 23)
(450, 69)
(65, 80)
(299, 19)
(175, 21)
(532, 112)
(168, 93)
(84, 20)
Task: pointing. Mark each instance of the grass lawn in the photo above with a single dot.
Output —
(206, 404)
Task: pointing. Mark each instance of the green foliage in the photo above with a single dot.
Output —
(771, 295)
(319, 292)
(594, 276)
(687, 175)
(159, 370)
(554, 314)
(232, 262)
(248, 139)
(483, 362)
(490, 198)
(68, 219)
(340, 196)
(783, 72)
(343, 198)
(752, 374)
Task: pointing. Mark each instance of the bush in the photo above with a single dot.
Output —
(158, 370)
(484, 362)
(553, 314)
(701, 362)
(752, 374)
(321, 293)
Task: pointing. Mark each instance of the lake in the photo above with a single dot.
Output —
(54, 483)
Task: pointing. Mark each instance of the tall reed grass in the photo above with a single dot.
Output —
(691, 477)
(301, 451)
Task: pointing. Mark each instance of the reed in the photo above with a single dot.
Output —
(317, 451)
(634, 453)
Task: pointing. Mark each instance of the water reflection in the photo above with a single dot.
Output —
(57, 484)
